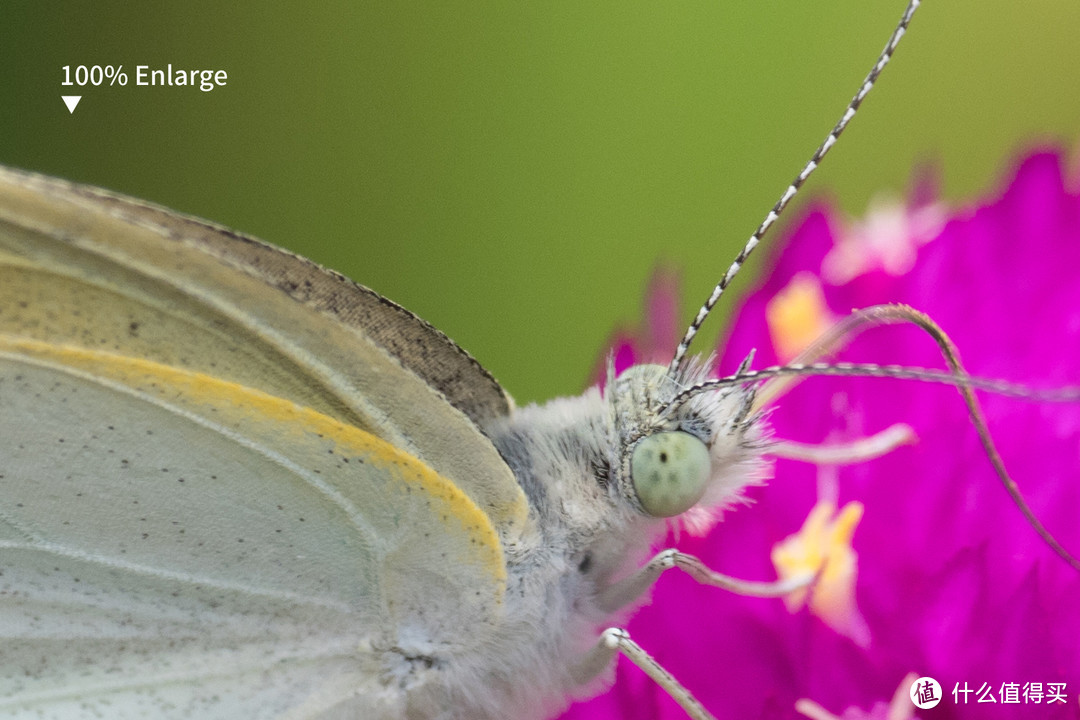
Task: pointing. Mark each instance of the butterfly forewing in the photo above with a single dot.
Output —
(218, 499)
(85, 267)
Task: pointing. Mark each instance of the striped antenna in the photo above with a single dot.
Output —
(880, 315)
(793, 188)
(963, 382)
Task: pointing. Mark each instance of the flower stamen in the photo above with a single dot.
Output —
(823, 545)
(797, 316)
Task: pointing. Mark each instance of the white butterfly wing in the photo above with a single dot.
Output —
(80, 265)
(202, 513)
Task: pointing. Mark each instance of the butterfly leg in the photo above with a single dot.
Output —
(856, 451)
(616, 640)
(630, 588)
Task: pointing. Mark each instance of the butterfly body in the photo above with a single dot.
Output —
(570, 456)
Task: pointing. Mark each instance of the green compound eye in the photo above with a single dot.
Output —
(669, 471)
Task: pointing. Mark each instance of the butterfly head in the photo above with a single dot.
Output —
(687, 460)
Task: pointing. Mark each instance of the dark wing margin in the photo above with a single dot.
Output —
(417, 345)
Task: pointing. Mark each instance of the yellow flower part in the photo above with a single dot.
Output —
(825, 540)
(797, 315)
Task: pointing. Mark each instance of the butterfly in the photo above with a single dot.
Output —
(239, 485)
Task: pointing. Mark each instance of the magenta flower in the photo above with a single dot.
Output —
(950, 581)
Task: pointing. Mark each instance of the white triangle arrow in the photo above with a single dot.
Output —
(71, 101)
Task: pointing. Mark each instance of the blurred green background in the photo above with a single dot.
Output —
(513, 172)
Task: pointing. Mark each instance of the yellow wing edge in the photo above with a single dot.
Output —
(211, 391)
